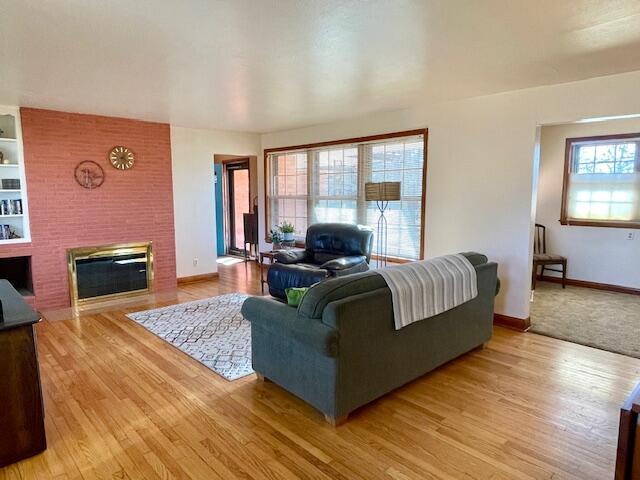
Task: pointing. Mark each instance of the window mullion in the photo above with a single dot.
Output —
(311, 190)
(272, 197)
(636, 195)
(362, 174)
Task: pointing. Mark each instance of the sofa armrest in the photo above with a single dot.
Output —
(281, 319)
(290, 256)
(475, 258)
(343, 263)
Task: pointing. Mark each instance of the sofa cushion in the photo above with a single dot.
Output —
(294, 295)
(320, 295)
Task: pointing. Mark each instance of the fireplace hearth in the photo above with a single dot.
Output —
(109, 271)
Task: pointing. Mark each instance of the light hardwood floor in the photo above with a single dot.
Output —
(121, 403)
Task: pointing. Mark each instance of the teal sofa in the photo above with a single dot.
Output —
(339, 349)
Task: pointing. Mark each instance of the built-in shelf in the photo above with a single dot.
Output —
(11, 148)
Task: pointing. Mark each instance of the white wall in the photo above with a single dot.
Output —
(595, 254)
(480, 174)
(192, 153)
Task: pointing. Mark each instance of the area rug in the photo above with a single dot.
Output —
(596, 318)
(212, 331)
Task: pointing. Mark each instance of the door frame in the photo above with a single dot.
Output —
(228, 168)
(223, 160)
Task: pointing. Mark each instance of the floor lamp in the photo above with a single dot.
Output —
(382, 193)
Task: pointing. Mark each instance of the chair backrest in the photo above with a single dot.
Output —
(327, 241)
(540, 239)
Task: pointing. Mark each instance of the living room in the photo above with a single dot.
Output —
(114, 115)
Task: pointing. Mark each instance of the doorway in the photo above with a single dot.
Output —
(239, 202)
(236, 198)
(589, 178)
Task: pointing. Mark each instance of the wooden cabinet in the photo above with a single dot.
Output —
(628, 456)
(22, 419)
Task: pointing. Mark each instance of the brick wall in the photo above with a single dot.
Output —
(132, 205)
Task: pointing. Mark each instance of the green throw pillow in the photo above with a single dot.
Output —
(294, 295)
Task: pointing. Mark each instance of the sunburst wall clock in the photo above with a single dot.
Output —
(121, 158)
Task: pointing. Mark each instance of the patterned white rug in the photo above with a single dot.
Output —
(212, 331)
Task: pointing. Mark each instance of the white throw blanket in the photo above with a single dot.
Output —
(427, 288)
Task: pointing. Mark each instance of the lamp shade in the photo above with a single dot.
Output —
(382, 191)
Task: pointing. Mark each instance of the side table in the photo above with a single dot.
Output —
(268, 254)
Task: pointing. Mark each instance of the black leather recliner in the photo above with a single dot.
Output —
(331, 250)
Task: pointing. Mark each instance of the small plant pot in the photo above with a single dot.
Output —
(287, 236)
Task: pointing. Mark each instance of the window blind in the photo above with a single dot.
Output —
(604, 181)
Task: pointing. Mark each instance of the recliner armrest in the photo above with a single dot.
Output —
(280, 319)
(343, 263)
(290, 256)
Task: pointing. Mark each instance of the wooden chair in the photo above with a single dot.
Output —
(543, 259)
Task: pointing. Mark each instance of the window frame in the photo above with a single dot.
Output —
(568, 170)
(357, 140)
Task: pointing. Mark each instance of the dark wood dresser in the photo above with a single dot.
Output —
(628, 456)
(22, 421)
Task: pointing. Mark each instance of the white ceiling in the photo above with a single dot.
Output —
(266, 65)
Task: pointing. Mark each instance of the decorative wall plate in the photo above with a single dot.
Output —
(89, 174)
(121, 158)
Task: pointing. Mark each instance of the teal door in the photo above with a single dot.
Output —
(220, 250)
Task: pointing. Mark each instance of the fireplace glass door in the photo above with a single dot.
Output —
(108, 275)
(108, 271)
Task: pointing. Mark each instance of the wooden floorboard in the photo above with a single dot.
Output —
(121, 403)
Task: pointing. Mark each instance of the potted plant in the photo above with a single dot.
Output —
(287, 230)
(276, 238)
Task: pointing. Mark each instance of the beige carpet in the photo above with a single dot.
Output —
(606, 320)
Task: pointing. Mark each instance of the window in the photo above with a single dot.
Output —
(602, 181)
(399, 162)
(289, 188)
(335, 185)
(325, 183)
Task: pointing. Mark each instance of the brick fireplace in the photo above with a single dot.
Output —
(131, 205)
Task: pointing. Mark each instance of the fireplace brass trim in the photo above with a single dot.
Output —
(74, 254)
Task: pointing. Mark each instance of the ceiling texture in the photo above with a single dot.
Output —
(268, 65)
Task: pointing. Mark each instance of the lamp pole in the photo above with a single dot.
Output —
(382, 233)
